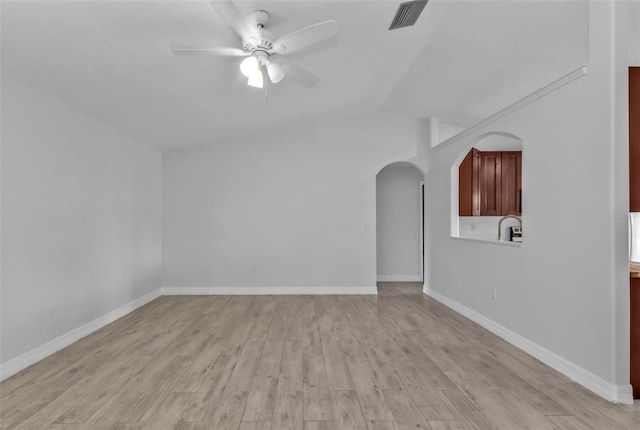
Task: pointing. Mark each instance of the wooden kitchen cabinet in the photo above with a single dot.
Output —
(469, 184)
(634, 139)
(511, 183)
(490, 183)
(634, 206)
(635, 337)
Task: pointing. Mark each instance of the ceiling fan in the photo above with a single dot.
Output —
(266, 56)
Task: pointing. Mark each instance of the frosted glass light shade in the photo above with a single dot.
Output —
(275, 72)
(250, 66)
(256, 80)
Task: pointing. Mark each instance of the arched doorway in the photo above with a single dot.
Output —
(400, 223)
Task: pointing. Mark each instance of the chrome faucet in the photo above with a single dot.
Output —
(500, 224)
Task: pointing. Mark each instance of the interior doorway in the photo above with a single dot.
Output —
(400, 246)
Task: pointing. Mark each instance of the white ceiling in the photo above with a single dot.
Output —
(463, 61)
(485, 55)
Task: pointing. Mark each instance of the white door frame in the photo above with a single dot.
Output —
(421, 218)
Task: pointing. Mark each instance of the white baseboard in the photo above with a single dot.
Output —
(399, 278)
(25, 360)
(260, 291)
(614, 393)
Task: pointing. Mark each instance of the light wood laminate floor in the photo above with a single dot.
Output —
(394, 361)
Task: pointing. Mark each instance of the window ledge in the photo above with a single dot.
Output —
(491, 241)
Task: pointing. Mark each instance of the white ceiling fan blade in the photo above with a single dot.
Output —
(223, 52)
(231, 15)
(299, 72)
(305, 37)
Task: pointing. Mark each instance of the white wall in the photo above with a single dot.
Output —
(398, 218)
(296, 204)
(565, 288)
(81, 219)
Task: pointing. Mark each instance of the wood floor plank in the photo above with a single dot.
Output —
(405, 410)
(570, 422)
(242, 378)
(168, 412)
(192, 425)
(156, 395)
(338, 375)
(293, 322)
(199, 367)
(319, 425)
(214, 386)
(46, 415)
(288, 411)
(383, 425)
(261, 399)
(384, 373)
(314, 373)
(346, 410)
(348, 338)
(255, 425)
(22, 405)
(290, 375)
(447, 425)
(317, 404)
(374, 405)
(311, 330)
(228, 414)
(431, 404)
(283, 319)
(464, 411)
(394, 361)
(327, 328)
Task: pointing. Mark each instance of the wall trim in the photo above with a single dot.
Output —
(269, 291)
(25, 360)
(399, 278)
(614, 393)
(549, 88)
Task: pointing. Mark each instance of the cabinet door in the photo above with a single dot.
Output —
(634, 139)
(465, 183)
(469, 184)
(490, 183)
(511, 182)
(475, 186)
(635, 337)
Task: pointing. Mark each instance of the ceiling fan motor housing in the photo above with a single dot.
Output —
(263, 40)
(261, 56)
(263, 43)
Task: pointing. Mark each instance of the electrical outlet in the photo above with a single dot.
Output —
(54, 307)
(366, 227)
(254, 269)
(473, 227)
(495, 293)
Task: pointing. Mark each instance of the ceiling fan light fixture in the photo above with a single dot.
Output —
(250, 67)
(275, 71)
(256, 79)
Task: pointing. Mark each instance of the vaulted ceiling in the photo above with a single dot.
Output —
(461, 62)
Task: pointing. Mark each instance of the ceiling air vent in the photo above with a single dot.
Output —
(407, 14)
